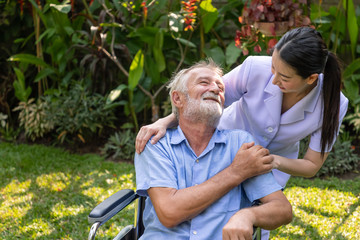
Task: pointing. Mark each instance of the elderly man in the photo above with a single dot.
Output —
(196, 175)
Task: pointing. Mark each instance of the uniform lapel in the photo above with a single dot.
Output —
(273, 101)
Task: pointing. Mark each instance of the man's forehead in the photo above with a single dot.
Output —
(204, 73)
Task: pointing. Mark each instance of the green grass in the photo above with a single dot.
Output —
(46, 193)
(323, 209)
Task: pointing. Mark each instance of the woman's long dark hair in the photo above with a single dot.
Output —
(304, 49)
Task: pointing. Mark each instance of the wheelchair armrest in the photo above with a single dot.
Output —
(111, 206)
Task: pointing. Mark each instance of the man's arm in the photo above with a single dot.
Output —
(274, 211)
(174, 206)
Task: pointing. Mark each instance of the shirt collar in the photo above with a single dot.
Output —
(218, 137)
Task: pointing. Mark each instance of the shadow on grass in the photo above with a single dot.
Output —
(48, 193)
(323, 209)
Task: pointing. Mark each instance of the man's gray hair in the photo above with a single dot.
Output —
(179, 80)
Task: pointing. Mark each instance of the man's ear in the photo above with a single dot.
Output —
(177, 99)
(312, 78)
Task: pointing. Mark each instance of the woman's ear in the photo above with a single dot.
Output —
(312, 78)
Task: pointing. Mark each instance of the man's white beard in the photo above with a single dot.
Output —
(206, 111)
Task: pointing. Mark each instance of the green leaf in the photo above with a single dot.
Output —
(351, 88)
(116, 4)
(136, 70)
(232, 53)
(186, 42)
(49, 32)
(111, 25)
(151, 69)
(216, 54)
(207, 6)
(157, 51)
(146, 34)
(351, 68)
(20, 76)
(28, 58)
(353, 28)
(209, 14)
(115, 93)
(44, 73)
(64, 8)
(21, 92)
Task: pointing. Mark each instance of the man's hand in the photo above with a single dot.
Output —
(251, 161)
(239, 227)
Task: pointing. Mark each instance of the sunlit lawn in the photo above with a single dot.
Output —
(47, 193)
(323, 209)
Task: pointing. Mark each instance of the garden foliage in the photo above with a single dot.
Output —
(96, 64)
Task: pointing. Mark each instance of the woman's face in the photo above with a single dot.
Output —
(286, 78)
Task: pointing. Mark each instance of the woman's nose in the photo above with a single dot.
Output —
(275, 80)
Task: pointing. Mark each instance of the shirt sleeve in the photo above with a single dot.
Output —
(316, 136)
(236, 81)
(154, 168)
(260, 186)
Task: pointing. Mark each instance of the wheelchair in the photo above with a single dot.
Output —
(118, 201)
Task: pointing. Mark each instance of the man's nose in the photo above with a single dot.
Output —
(214, 88)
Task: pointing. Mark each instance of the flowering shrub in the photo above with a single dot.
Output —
(189, 8)
(281, 14)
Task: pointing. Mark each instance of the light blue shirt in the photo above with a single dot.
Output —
(172, 163)
(255, 106)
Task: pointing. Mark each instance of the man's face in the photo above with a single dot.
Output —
(205, 97)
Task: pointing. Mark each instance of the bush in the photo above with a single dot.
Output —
(78, 114)
(33, 118)
(340, 160)
(120, 145)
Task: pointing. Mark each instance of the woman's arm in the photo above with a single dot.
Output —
(156, 129)
(306, 167)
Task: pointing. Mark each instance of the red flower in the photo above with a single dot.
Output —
(145, 9)
(272, 42)
(257, 48)
(21, 2)
(245, 51)
(189, 8)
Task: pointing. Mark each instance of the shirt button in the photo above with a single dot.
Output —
(270, 129)
(194, 232)
(265, 138)
(197, 160)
